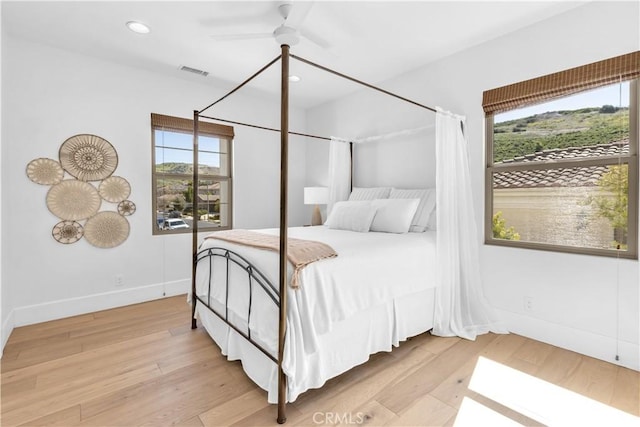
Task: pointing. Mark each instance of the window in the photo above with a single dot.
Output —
(173, 190)
(562, 161)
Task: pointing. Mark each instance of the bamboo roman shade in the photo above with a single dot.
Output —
(563, 83)
(180, 124)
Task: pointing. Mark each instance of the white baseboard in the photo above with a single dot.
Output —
(581, 341)
(7, 328)
(53, 310)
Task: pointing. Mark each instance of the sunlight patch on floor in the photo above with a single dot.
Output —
(542, 401)
(473, 414)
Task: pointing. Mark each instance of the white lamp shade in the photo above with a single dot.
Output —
(316, 195)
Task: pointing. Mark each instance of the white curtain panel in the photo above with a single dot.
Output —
(339, 172)
(461, 309)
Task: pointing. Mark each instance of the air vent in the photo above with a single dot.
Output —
(194, 70)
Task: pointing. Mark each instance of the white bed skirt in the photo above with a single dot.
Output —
(348, 344)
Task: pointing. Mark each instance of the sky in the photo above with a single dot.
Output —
(616, 95)
(208, 148)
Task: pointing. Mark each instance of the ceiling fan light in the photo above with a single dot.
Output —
(138, 27)
(294, 78)
(286, 35)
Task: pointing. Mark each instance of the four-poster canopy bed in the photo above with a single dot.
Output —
(222, 263)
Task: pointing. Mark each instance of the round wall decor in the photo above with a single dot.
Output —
(126, 207)
(73, 200)
(106, 229)
(114, 189)
(45, 171)
(88, 157)
(67, 232)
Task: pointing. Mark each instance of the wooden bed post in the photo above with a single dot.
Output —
(194, 227)
(284, 169)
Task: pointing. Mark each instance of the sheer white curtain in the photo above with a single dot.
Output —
(339, 172)
(461, 308)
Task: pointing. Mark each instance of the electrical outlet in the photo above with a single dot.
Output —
(118, 280)
(528, 304)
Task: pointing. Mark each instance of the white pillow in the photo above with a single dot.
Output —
(372, 193)
(427, 196)
(353, 216)
(394, 215)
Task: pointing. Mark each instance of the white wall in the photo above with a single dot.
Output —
(575, 297)
(5, 309)
(51, 94)
(401, 161)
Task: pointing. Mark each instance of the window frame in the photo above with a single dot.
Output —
(631, 159)
(185, 126)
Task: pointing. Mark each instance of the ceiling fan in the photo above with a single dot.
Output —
(289, 31)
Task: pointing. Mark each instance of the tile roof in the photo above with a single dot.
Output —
(560, 177)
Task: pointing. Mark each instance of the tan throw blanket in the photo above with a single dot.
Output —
(299, 252)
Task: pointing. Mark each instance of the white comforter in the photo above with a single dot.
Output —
(371, 269)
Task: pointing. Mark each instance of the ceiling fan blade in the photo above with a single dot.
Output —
(315, 38)
(299, 13)
(245, 36)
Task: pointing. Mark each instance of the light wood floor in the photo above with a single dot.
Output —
(143, 365)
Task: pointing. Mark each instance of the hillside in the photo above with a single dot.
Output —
(186, 168)
(559, 129)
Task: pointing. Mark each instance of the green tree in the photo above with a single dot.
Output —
(188, 193)
(177, 204)
(608, 109)
(613, 200)
(500, 230)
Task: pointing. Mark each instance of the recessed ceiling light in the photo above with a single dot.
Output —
(138, 27)
(294, 79)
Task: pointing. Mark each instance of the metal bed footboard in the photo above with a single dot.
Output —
(255, 279)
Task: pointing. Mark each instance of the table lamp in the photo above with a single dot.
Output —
(316, 196)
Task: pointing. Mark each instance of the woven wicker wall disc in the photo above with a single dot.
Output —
(73, 200)
(106, 229)
(67, 232)
(114, 189)
(45, 171)
(126, 207)
(88, 157)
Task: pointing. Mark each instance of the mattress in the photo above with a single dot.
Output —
(377, 292)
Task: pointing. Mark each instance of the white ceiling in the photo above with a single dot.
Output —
(371, 41)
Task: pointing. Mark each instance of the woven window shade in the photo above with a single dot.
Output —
(563, 83)
(186, 125)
